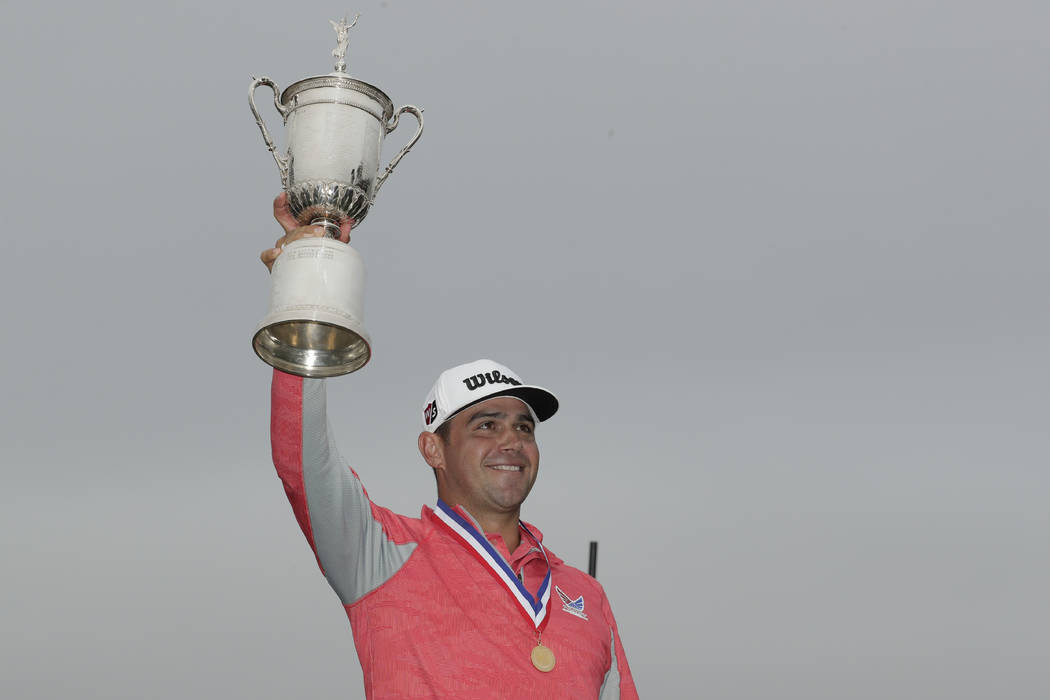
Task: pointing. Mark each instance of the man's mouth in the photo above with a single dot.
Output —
(506, 467)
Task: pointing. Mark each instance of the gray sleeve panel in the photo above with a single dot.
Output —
(611, 685)
(352, 548)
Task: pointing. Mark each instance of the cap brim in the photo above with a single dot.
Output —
(543, 403)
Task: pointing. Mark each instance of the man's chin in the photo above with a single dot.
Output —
(509, 502)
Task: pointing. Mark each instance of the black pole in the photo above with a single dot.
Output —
(592, 564)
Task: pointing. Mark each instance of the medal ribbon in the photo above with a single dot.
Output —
(533, 606)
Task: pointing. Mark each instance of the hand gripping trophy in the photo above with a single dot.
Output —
(335, 127)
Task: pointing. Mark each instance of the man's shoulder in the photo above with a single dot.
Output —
(567, 576)
(399, 528)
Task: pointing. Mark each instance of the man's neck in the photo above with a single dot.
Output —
(503, 524)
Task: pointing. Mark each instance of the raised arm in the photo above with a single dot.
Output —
(357, 544)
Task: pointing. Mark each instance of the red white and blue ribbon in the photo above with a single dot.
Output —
(534, 606)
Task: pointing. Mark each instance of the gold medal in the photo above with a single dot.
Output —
(543, 658)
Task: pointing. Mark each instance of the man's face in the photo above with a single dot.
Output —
(491, 458)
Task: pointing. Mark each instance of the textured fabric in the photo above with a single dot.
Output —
(428, 620)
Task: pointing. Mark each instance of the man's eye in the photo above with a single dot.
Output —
(525, 428)
(485, 426)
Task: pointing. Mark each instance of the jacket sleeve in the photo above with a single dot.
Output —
(358, 545)
(619, 684)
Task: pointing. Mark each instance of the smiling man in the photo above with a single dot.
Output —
(465, 601)
(484, 454)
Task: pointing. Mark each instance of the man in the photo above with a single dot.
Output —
(464, 601)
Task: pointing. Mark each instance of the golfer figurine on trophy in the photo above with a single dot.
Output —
(335, 127)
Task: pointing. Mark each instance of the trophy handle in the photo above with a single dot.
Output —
(418, 114)
(282, 163)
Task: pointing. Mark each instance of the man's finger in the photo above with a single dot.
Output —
(268, 257)
(298, 233)
(344, 230)
(303, 232)
(283, 214)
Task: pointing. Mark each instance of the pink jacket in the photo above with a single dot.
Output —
(429, 619)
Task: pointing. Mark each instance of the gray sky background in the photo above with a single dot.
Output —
(784, 264)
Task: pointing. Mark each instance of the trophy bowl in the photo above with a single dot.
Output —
(335, 127)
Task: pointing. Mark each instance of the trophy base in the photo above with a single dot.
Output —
(314, 327)
(311, 348)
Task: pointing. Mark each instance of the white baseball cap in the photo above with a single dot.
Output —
(474, 382)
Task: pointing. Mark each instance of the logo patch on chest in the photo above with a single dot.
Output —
(569, 605)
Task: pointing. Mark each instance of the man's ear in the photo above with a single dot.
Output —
(432, 448)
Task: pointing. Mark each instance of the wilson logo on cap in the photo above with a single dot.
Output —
(430, 413)
(494, 377)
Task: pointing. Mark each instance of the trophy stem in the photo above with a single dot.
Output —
(331, 226)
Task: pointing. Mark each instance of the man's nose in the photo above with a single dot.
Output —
(510, 440)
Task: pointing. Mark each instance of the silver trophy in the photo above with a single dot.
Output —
(335, 127)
